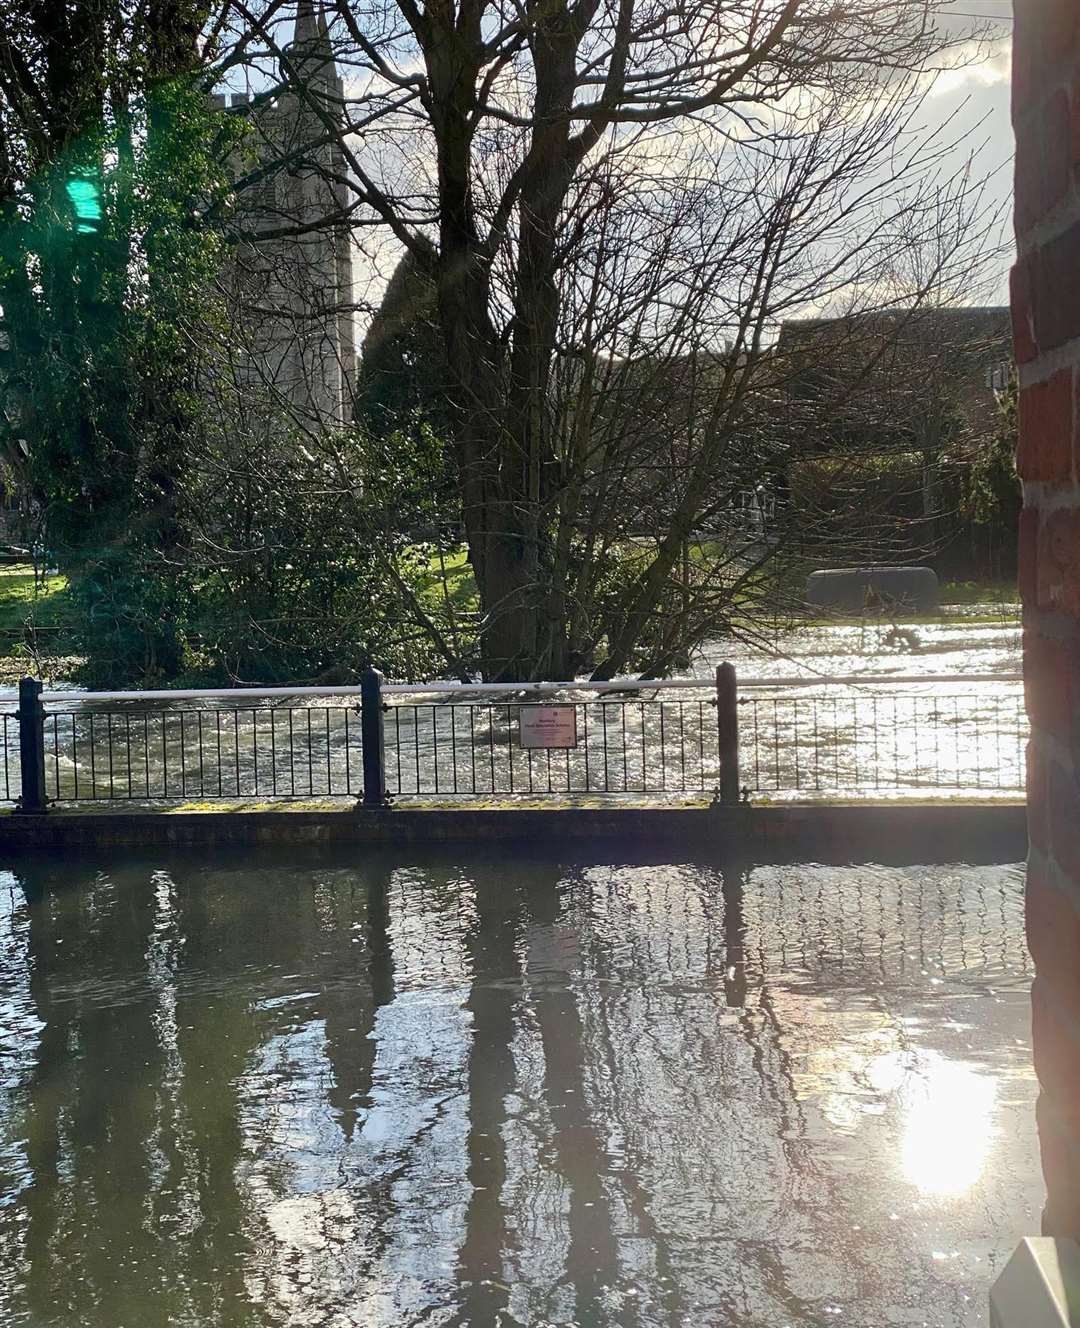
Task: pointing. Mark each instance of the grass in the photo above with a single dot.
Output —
(980, 592)
(460, 584)
(27, 602)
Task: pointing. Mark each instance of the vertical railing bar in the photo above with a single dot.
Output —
(217, 735)
(644, 759)
(416, 743)
(877, 766)
(817, 750)
(978, 747)
(836, 742)
(956, 736)
(202, 763)
(509, 748)
(795, 732)
(776, 740)
(663, 752)
(757, 760)
(273, 751)
(855, 741)
(915, 736)
(329, 764)
(435, 743)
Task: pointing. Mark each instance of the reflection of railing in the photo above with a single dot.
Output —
(780, 737)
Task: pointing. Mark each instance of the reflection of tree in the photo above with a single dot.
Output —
(365, 982)
(578, 1141)
(492, 944)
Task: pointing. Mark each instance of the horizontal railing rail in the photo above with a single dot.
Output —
(726, 738)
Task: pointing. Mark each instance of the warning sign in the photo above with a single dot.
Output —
(547, 725)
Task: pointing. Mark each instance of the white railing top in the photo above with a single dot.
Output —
(450, 689)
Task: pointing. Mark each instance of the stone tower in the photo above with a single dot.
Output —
(292, 275)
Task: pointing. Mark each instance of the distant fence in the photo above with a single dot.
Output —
(723, 737)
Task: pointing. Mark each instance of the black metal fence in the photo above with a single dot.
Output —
(709, 737)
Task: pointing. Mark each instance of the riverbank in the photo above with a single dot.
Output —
(976, 629)
(961, 831)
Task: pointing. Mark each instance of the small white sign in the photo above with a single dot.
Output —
(547, 725)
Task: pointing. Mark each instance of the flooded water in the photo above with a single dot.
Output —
(282, 1091)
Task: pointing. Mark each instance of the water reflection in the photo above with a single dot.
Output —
(252, 1093)
(949, 1126)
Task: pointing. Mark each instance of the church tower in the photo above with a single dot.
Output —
(293, 277)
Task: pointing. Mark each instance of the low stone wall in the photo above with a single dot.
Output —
(962, 832)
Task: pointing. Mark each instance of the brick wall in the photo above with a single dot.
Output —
(1046, 326)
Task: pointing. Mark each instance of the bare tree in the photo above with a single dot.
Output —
(625, 199)
(613, 188)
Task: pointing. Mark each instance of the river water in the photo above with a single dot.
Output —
(297, 1089)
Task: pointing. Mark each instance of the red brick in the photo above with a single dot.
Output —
(1075, 125)
(1038, 804)
(1048, 684)
(1052, 916)
(1043, 34)
(1055, 290)
(1046, 429)
(1063, 819)
(1028, 561)
(1061, 1168)
(1023, 318)
(1043, 170)
(1059, 561)
(1055, 1026)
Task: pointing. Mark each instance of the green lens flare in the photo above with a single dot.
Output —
(85, 196)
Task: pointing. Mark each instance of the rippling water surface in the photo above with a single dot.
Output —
(296, 1090)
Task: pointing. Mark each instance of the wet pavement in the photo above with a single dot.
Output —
(295, 1090)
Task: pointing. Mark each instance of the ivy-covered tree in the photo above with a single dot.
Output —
(106, 146)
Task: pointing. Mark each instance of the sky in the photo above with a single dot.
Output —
(979, 97)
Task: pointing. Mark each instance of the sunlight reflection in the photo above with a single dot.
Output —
(948, 1130)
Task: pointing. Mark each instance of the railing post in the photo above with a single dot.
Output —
(727, 727)
(371, 738)
(31, 746)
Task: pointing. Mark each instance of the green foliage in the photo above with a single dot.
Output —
(303, 567)
(992, 494)
(106, 287)
(126, 611)
(403, 387)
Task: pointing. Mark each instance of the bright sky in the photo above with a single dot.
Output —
(979, 97)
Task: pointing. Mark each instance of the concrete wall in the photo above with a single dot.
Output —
(1046, 327)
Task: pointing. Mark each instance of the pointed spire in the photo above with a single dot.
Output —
(310, 51)
(310, 24)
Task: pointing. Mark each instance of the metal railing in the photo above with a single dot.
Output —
(719, 737)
